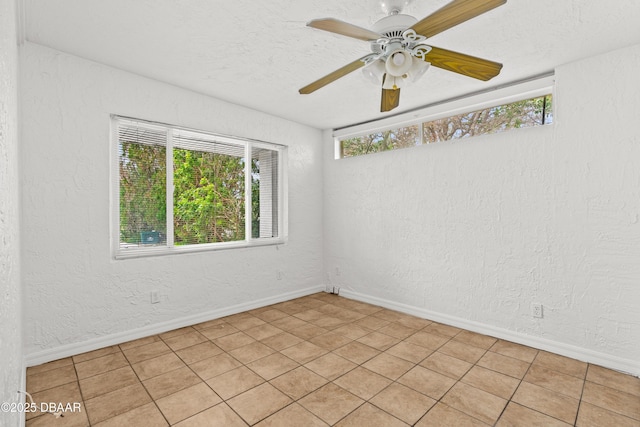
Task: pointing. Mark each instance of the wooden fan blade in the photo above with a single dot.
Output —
(390, 99)
(460, 63)
(453, 14)
(344, 28)
(340, 72)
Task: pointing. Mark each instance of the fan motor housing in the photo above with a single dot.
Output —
(394, 25)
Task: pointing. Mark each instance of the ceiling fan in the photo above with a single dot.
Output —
(399, 48)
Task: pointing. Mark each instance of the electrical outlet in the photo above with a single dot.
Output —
(279, 275)
(338, 272)
(335, 290)
(536, 310)
(155, 297)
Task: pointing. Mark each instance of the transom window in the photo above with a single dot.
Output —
(526, 113)
(184, 190)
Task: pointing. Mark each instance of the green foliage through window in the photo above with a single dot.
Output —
(520, 114)
(208, 201)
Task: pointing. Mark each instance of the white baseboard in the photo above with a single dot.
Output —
(597, 358)
(48, 355)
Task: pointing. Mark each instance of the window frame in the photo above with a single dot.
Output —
(529, 88)
(170, 248)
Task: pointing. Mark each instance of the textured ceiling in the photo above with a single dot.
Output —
(259, 53)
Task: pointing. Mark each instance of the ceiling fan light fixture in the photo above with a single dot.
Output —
(374, 72)
(418, 68)
(398, 63)
(393, 82)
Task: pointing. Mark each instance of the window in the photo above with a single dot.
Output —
(184, 190)
(525, 113)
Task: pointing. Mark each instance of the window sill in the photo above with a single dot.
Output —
(141, 252)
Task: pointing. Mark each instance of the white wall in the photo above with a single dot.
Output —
(75, 292)
(11, 369)
(472, 232)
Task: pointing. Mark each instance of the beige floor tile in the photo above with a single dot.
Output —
(95, 354)
(70, 419)
(369, 415)
(208, 324)
(330, 340)
(427, 382)
(562, 364)
(143, 416)
(136, 343)
(100, 365)
(372, 323)
(410, 352)
(427, 340)
(234, 382)
(492, 382)
(352, 331)
(612, 379)
(389, 315)
(356, 352)
(446, 365)
(259, 403)
(218, 331)
(293, 415)
(556, 381)
(462, 351)
(157, 366)
(289, 323)
(272, 366)
(281, 341)
(263, 331)
(329, 323)
(60, 363)
(397, 330)
(214, 366)
(254, 351)
(445, 416)
(63, 394)
(309, 315)
(506, 365)
(171, 382)
(472, 401)
(116, 402)
(477, 340)
(233, 341)
(388, 365)
(304, 352)
(330, 366)
(308, 331)
(403, 403)
(218, 416)
(591, 415)
(107, 382)
(146, 352)
(51, 378)
(413, 322)
(198, 352)
(298, 382)
(176, 332)
(378, 340)
(243, 322)
(185, 340)
(362, 382)
(330, 403)
(516, 351)
(518, 416)
(188, 402)
(443, 330)
(614, 400)
(271, 315)
(546, 401)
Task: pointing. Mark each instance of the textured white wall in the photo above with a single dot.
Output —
(11, 369)
(481, 228)
(74, 290)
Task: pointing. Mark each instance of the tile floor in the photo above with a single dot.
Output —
(326, 360)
